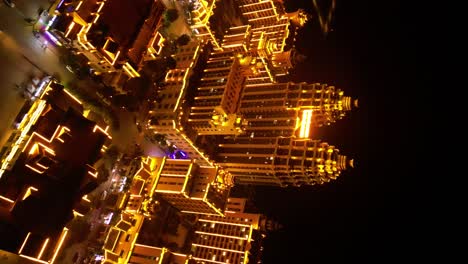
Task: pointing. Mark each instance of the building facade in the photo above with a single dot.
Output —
(43, 184)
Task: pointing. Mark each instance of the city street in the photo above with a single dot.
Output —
(21, 57)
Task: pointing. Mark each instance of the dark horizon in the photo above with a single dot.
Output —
(361, 215)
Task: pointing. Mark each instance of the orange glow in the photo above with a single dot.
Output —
(130, 70)
(29, 192)
(220, 222)
(85, 198)
(94, 175)
(75, 214)
(71, 95)
(44, 245)
(306, 122)
(70, 27)
(24, 242)
(78, 6)
(6, 199)
(122, 201)
(57, 249)
(97, 127)
(221, 235)
(34, 259)
(205, 246)
(34, 169)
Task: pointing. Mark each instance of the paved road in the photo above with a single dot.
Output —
(22, 56)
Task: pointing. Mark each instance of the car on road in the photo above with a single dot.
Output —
(9, 3)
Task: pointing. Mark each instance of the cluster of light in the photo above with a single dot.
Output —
(104, 131)
(130, 70)
(25, 129)
(306, 123)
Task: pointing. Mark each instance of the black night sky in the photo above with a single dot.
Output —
(366, 215)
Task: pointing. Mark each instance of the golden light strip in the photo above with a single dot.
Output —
(40, 165)
(96, 18)
(130, 68)
(97, 127)
(128, 71)
(204, 260)
(44, 245)
(153, 188)
(187, 177)
(75, 213)
(230, 250)
(94, 175)
(6, 199)
(191, 144)
(220, 235)
(305, 123)
(100, 7)
(265, 17)
(85, 198)
(57, 249)
(34, 169)
(220, 222)
(122, 201)
(78, 6)
(34, 116)
(70, 27)
(132, 246)
(28, 192)
(24, 242)
(145, 246)
(72, 96)
(34, 259)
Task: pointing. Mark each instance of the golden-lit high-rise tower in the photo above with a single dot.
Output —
(216, 99)
(277, 148)
(284, 106)
(281, 161)
(234, 98)
(192, 188)
(235, 238)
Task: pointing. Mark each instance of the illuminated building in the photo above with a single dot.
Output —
(114, 35)
(182, 183)
(192, 188)
(121, 238)
(235, 238)
(261, 12)
(280, 106)
(233, 98)
(277, 148)
(143, 254)
(281, 161)
(200, 21)
(47, 174)
(216, 100)
(167, 116)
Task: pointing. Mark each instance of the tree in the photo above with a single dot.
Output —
(138, 87)
(156, 69)
(79, 230)
(183, 40)
(125, 101)
(112, 154)
(171, 15)
(160, 139)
